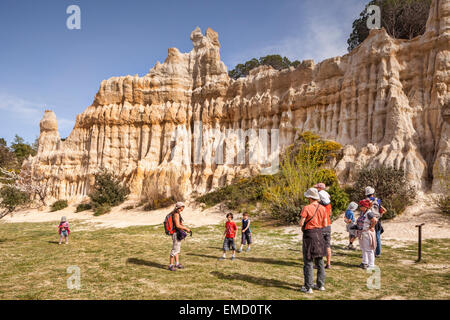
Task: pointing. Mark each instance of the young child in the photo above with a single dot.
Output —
(64, 230)
(349, 219)
(228, 237)
(246, 233)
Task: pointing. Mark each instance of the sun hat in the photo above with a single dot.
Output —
(179, 205)
(320, 186)
(63, 219)
(312, 193)
(370, 191)
(365, 203)
(352, 206)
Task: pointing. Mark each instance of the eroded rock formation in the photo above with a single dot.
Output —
(387, 102)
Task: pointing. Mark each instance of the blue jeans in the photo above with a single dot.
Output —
(378, 249)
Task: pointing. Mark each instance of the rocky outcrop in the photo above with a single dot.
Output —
(386, 102)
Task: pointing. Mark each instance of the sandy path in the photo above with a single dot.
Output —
(397, 231)
(119, 218)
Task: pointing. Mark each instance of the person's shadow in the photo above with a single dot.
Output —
(256, 280)
(140, 262)
(252, 260)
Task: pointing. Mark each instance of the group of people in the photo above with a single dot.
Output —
(175, 228)
(316, 226)
(315, 222)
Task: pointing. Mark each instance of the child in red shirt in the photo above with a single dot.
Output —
(228, 236)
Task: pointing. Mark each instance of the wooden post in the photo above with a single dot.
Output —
(420, 241)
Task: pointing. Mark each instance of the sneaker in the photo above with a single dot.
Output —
(248, 249)
(180, 266)
(377, 256)
(363, 266)
(233, 257)
(316, 287)
(239, 251)
(172, 268)
(305, 290)
(328, 266)
(351, 247)
(222, 258)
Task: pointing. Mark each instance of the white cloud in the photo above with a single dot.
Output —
(28, 112)
(324, 27)
(18, 105)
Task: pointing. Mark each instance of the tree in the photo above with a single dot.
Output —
(275, 61)
(33, 185)
(7, 157)
(402, 19)
(11, 198)
(22, 150)
(108, 190)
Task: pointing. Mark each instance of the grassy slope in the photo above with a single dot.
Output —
(130, 264)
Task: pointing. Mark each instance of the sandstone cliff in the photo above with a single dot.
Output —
(387, 102)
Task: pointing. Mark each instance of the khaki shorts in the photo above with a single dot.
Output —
(176, 245)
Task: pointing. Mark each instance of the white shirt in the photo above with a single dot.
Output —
(324, 197)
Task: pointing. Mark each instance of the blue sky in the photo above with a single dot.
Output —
(44, 65)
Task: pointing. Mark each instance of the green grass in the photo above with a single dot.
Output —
(131, 264)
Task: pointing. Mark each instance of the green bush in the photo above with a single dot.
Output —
(59, 205)
(443, 204)
(301, 167)
(11, 198)
(443, 200)
(83, 207)
(102, 209)
(240, 195)
(159, 203)
(108, 191)
(391, 187)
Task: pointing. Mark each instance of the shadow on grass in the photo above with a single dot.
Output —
(270, 261)
(140, 262)
(256, 280)
(252, 259)
(53, 242)
(344, 264)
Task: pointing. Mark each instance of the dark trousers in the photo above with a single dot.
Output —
(378, 249)
(308, 272)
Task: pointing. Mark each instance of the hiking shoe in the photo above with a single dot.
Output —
(316, 287)
(180, 266)
(172, 268)
(305, 290)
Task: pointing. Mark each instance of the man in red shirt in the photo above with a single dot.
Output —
(313, 220)
(229, 236)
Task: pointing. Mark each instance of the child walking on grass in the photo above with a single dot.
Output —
(228, 237)
(246, 233)
(63, 230)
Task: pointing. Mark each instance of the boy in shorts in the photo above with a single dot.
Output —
(229, 236)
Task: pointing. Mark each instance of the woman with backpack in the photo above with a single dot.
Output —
(366, 234)
(174, 227)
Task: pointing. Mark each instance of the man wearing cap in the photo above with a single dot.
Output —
(176, 243)
(378, 211)
(366, 236)
(313, 219)
(325, 200)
